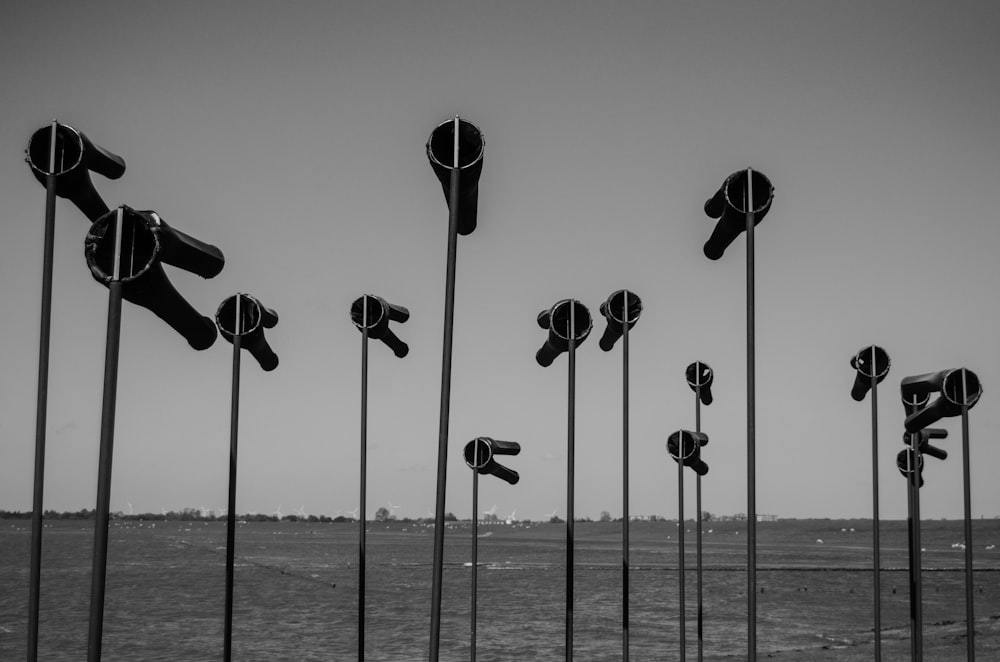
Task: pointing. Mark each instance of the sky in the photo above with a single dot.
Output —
(291, 136)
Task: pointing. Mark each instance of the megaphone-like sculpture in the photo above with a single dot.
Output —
(924, 445)
(906, 466)
(567, 320)
(147, 243)
(700, 377)
(957, 387)
(685, 447)
(441, 153)
(621, 308)
(375, 313)
(729, 205)
(480, 456)
(76, 157)
(870, 362)
(245, 316)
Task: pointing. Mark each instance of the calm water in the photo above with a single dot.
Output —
(296, 590)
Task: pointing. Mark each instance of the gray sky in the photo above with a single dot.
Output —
(292, 137)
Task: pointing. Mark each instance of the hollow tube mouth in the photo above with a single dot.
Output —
(441, 144)
(616, 311)
(140, 245)
(559, 320)
(961, 387)
(866, 368)
(69, 149)
(735, 189)
(699, 374)
(250, 315)
(377, 312)
(682, 442)
(485, 453)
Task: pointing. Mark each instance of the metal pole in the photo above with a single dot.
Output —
(103, 510)
(625, 484)
(970, 621)
(475, 545)
(680, 545)
(751, 437)
(442, 463)
(697, 483)
(916, 565)
(570, 479)
(363, 481)
(876, 547)
(234, 420)
(42, 398)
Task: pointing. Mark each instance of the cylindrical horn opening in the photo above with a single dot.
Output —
(736, 192)
(375, 315)
(69, 149)
(616, 309)
(483, 447)
(682, 445)
(441, 144)
(140, 245)
(960, 387)
(250, 315)
(915, 401)
(871, 362)
(570, 320)
(699, 374)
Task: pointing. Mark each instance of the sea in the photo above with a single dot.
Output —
(296, 590)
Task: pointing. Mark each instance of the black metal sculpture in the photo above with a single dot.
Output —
(740, 204)
(372, 314)
(699, 377)
(241, 320)
(454, 148)
(622, 310)
(568, 323)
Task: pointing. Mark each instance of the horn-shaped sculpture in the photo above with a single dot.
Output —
(480, 456)
(621, 308)
(567, 320)
(904, 465)
(728, 205)
(375, 313)
(152, 243)
(441, 153)
(957, 387)
(76, 157)
(254, 317)
(924, 445)
(872, 361)
(685, 447)
(700, 377)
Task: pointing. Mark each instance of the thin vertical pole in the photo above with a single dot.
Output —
(442, 462)
(475, 546)
(42, 399)
(682, 626)
(876, 547)
(363, 481)
(751, 437)
(697, 484)
(103, 510)
(570, 479)
(970, 621)
(916, 564)
(625, 485)
(234, 420)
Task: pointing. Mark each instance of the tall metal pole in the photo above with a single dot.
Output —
(876, 547)
(42, 399)
(100, 560)
(363, 481)
(570, 479)
(697, 484)
(625, 482)
(680, 547)
(475, 547)
(916, 564)
(970, 621)
(751, 437)
(442, 463)
(234, 420)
